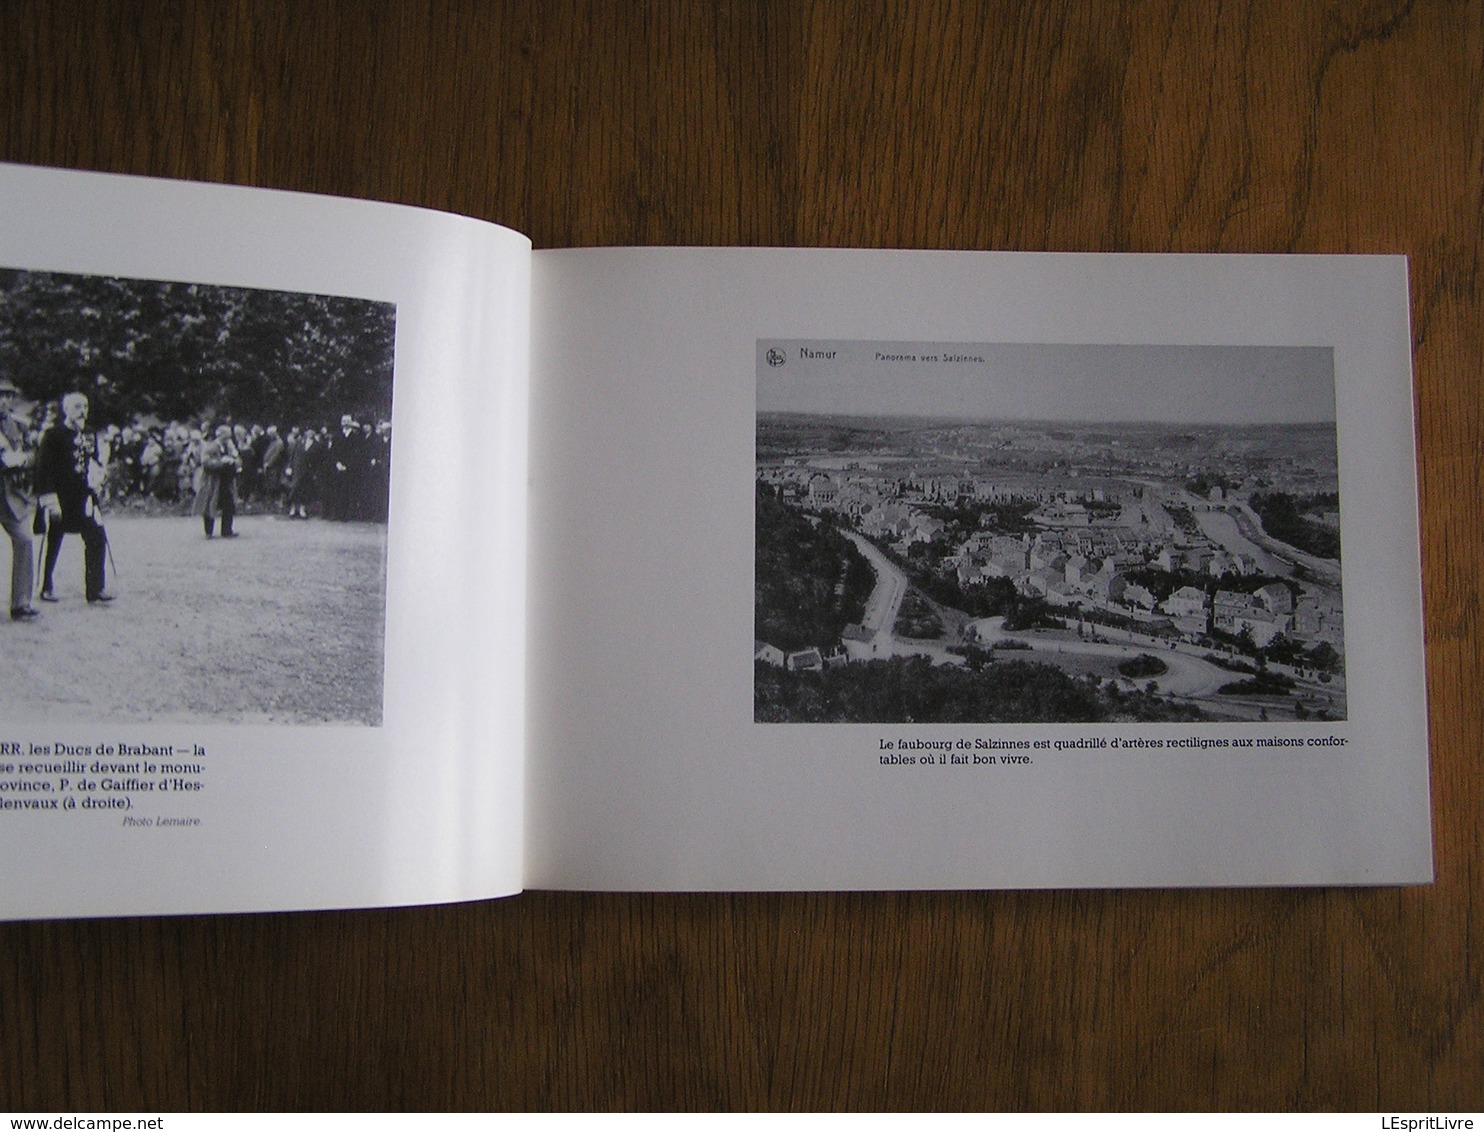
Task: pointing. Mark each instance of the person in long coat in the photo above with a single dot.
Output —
(302, 474)
(216, 483)
(17, 506)
(275, 462)
(344, 468)
(69, 473)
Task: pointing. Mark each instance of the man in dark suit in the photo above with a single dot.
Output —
(68, 474)
(17, 505)
(344, 458)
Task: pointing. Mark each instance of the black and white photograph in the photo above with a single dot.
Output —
(196, 483)
(1009, 533)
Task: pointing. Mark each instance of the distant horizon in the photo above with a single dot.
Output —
(1053, 383)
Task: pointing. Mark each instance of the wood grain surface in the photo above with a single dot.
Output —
(1198, 126)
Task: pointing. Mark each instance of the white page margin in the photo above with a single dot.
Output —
(647, 771)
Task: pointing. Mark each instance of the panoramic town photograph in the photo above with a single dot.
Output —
(961, 533)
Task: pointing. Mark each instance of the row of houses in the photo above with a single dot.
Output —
(858, 490)
(800, 660)
(1077, 558)
(1041, 568)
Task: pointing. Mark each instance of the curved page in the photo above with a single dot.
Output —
(325, 709)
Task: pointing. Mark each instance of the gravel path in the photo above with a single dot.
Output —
(283, 624)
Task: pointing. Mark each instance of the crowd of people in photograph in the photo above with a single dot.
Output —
(338, 473)
(61, 475)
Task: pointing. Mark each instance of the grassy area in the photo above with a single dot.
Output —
(284, 624)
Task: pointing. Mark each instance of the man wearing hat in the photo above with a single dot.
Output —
(67, 476)
(17, 506)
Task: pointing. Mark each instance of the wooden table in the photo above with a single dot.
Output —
(1244, 126)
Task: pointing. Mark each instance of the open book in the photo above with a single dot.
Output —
(692, 568)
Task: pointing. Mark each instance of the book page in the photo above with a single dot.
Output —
(878, 570)
(268, 653)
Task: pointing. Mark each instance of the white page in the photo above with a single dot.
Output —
(647, 770)
(423, 805)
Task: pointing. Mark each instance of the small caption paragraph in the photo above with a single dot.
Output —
(985, 751)
(145, 785)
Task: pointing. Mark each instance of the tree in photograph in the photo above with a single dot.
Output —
(810, 581)
(1138, 667)
(141, 347)
(914, 690)
(1285, 517)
